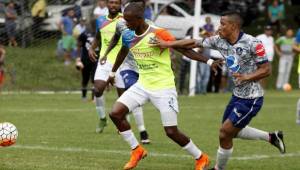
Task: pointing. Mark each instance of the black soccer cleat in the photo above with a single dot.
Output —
(276, 139)
(144, 137)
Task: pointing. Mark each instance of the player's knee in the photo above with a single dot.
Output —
(223, 134)
(98, 91)
(118, 112)
(115, 115)
(171, 132)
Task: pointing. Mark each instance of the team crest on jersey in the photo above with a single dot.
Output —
(239, 51)
(260, 50)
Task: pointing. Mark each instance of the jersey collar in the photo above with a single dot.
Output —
(144, 32)
(109, 19)
(240, 36)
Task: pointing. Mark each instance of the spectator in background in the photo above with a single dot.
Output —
(2, 56)
(148, 10)
(2, 8)
(203, 70)
(282, 9)
(80, 27)
(101, 9)
(84, 64)
(10, 24)
(66, 25)
(275, 15)
(284, 48)
(268, 41)
(209, 27)
(38, 13)
(77, 13)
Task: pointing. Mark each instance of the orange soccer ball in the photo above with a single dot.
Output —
(287, 87)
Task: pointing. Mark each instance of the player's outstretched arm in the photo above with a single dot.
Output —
(198, 57)
(186, 43)
(263, 70)
(119, 60)
(113, 42)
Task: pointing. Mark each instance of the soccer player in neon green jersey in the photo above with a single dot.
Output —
(129, 73)
(155, 83)
(105, 26)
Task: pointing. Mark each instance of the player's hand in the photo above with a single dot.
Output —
(103, 60)
(92, 55)
(111, 80)
(240, 78)
(217, 64)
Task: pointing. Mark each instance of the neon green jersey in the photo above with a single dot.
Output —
(154, 65)
(107, 29)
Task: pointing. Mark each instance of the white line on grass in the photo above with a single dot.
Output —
(155, 154)
(108, 108)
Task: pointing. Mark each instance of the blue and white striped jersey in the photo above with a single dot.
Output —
(241, 57)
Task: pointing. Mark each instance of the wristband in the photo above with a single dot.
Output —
(112, 74)
(210, 62)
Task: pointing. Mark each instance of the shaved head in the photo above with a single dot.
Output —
(140, 1)
(235, 18)
(135, 9)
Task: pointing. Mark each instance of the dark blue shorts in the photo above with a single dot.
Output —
(240, 111)
(129, 77)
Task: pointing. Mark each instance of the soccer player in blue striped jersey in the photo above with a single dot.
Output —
(246, 58)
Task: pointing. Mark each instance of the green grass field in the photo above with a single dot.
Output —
(56, 132)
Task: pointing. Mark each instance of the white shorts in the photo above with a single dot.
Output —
(164, 100)
(102, 73)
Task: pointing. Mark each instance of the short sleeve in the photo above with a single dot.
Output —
(127, 38)
(165, 35)
(208, 42)
(258, 52)
(99, 22)
(120, 27)
(278, 41)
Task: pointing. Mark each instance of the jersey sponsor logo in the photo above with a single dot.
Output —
(239, 51)
(232, 63)
(147, 66)
(260, 50)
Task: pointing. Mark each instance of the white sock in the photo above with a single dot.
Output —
(223, 156)
(100, 107)
(139, 118)
(251, 133)
(192, 149)
(129, 137)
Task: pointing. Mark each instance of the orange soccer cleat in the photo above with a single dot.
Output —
(202, 163)
(136, 155)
